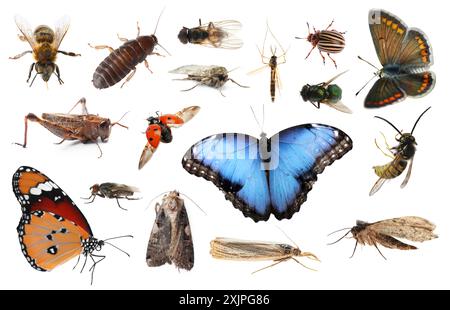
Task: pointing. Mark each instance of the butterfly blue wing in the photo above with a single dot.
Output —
(232, 163)
(298, 154)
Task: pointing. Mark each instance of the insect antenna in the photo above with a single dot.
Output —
(286, 235)
(349, 230)
(369, 63)
(399, 132)
(166, 192)
(157, 22)
(118, 122)
(189, 198)
(414, 127)
(256, 119)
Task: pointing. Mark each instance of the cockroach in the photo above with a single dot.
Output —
(383, 232)
(83, 127)
(327, 41)
(123, 60)
(113, 191)
(244, 250)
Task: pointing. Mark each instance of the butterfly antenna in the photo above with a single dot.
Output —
(191, 200)
(357, 93)
(370, 64)
(414, 127)
(119, 237)
(114, 246)
(349, 231)
(393, 124)
(256, 119)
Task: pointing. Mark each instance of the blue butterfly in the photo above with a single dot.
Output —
(267, 175)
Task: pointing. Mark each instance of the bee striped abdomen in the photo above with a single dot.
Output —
(331, 41)
(392, 169)
(120, 62)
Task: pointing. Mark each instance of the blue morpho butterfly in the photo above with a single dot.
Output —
(405, 54)
(267, 175)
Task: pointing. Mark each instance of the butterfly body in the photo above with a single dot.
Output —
(159, 130)
(406, 56)
(267, 175)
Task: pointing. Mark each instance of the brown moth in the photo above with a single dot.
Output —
(244, 250)
(171, 239)
(385, 232)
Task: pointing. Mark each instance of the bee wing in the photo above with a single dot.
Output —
(408, 174)
(61, 27)
(339, 106)
(26, 30)
(413, 228)
(222, 34)
(377, 186)
(334, 78)
(193, 70)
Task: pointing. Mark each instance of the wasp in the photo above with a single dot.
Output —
(45, 44)
(326, 93)
(272, 62)
(213, 34)
(123, 60)
(401, 155)
(113, 191)
(212, 76)
(83, 127)
(327, 41)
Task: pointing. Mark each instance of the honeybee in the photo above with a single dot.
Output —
(45, 45)
(213, 34)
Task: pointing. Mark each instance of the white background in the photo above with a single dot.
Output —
(340, 196)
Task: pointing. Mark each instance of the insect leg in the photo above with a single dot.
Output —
(138, 29)
(20, 55)
(131, 198)
(84, 110)
(192, 86)
(129, 77)
(92, 269)
(271, 265)
(58, 75)
(298, 262)
(122, 39)
(310, 52)
(239, 84)
(117, 199)
(69, 53)
(32, 118)
(29, 72)
(354, 249)
(147, 65)
(100, 47)
(330, 25)
(323, 57)
(316, 106)
(101, 153)
(388, 155)
(332, 60)
(379, 250)
(93, 198)
(78, 260)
